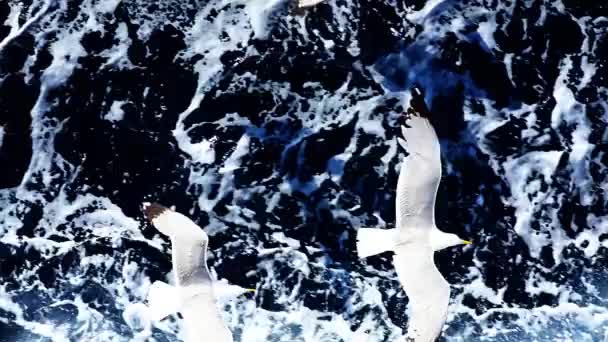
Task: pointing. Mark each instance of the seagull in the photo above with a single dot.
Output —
(416, 237)
(195, 292)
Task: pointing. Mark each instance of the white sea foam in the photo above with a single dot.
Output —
(259, 11)
(527, 195)
(425, 11)
(528, 175)
(13, 20)
(116, 113)
(118, 55)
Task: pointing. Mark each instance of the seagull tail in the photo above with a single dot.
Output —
(372, 241)
(162, 300)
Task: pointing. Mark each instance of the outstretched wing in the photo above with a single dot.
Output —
(163, 300)
(428, 292)
(421, 170)
(203, 320)
(188, 242)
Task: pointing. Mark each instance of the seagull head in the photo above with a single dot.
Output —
(441, 240)
(223, 289)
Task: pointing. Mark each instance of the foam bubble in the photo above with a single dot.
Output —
(116, 113)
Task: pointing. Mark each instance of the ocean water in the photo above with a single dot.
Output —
(277, 134)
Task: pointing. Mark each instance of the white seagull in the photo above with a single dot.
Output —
(416, 237)
(195, 291)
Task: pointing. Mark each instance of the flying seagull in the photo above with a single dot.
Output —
(416, 237)
(195, 291)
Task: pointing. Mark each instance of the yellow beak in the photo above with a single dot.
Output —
(249, 290)
(467, 242)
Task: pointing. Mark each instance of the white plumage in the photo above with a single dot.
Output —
(194, 294)
(416, 238)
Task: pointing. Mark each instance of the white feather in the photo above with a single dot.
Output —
(416, 237)
(193, 294)
(372, 241)
(162, 300)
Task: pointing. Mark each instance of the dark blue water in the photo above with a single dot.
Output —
(277, 134)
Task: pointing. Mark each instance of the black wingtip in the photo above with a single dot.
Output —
(153, 210)
(417, 104)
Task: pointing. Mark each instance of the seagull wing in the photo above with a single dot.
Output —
(163, 300)
(427, 290)
(188, 242)
(203, 320)
(420, 172)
